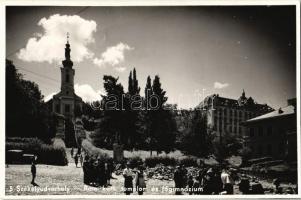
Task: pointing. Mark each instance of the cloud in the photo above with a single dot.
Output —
(113, 56)
(49, 45)
(218, 85)
(87, 93)
(49, 96)
(120, 69)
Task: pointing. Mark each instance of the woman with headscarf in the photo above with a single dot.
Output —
(128, 179)
(140, 181)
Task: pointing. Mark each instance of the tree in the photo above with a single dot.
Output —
(130, 84)
(159, 92)
(160, 123)
(132, 114)
(195, 138)
(114, 121)
(136, 88)
(26, 112)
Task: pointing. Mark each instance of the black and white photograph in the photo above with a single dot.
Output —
(190, 100)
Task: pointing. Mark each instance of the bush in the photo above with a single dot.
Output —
(47, 154)
(134, 161)
(188, 161)
(165, 160)
(94, 152)
(52, 155)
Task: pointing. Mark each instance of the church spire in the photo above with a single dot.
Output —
(67, 62)
(67, 49)
(243, 93)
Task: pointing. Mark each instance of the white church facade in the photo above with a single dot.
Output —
(66, 101)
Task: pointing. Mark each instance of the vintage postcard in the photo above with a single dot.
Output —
(157, 99)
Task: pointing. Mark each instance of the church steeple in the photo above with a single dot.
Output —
(67, 62)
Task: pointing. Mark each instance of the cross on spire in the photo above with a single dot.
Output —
(67, 49)
(68, 37)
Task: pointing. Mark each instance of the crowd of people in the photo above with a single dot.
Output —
(208, 181)
(134, 176)
(96, 172)
(78, 157)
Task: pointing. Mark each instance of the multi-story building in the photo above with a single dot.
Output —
(224, 115)
(274, 134)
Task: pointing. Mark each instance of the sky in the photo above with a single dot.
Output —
(196, 51)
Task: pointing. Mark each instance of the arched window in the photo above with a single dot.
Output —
(67, 78)
(57, 108)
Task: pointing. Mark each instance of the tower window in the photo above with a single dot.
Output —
(67, 108)
(67, 78)
(57, 108)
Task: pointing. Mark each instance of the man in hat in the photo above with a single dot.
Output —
(177, 178)
(33, 171)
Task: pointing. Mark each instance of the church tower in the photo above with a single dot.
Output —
(67, 72)
(66, 101)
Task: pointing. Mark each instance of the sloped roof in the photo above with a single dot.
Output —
(289, 110)
(232, 103)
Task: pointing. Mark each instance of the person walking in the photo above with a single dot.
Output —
(128, 179)
(33, 172)
(140, 181)
(86, 170)
(76, 159)
(72, 152)
(177, 179)
(81, 159)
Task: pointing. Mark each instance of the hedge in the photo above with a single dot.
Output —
(153, 161)
(170, 161)
(54, 154)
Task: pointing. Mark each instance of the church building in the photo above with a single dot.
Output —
(66, 101)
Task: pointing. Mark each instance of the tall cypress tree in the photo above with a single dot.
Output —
(148, 88)
(131, 114)
(130, 86)
(159, 92)
(163, 126)
(136, 88)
